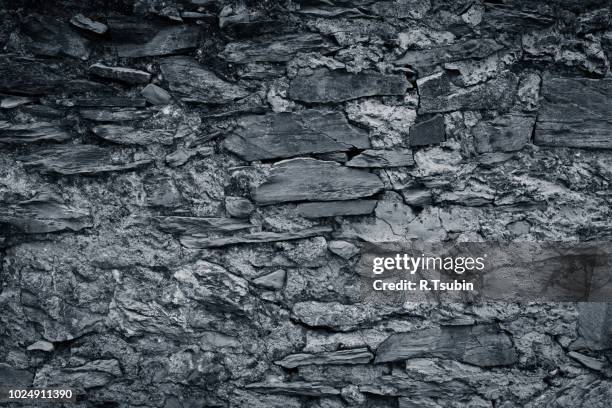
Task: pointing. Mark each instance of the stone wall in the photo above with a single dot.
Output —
(185, 185)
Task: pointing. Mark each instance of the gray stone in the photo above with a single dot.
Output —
(315, 180)
(336, 208)
(587, 361)
(167, 41)
(189, 226)
(294, 388)
(111, 102)
(115, 115)
(78, 159)
(51, 37)
(594, 325)
(127, 75)
(428, 132)
(191, 82)
(575, 112)
(343, 249)
(127, 135)
(438, 94)
(155, 95)
(12, 377)
(481, 345)
(504, 133)
(274, 280)
(41, 345)
(32, 132)
(352, 356)
(470, 49)
(239, 207)
(182, 156)
(10, 102)
(278, 49)
(87, 24)
(397, 157)
(338, 86)
(417, 197)
(281, 135)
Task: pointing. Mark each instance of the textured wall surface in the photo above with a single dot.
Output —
(184, 187)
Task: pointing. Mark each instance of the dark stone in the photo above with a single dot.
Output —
(201, 225)
(155, 95)
(115, 115)
(481, 345)
(32, 132)
(353, 356)
(129, 136)
(315, 180)
(167, 41)
(575, 112)
(438, 94)
(276, 49)
(88, 24)
(51, 37)
(428, 132)
(338, 86)
(280, 135)
(14, 378)
(128, 75)
(110, 102)
(195, 241)
(397, 157)
(26, 76)
(78, 159)
(505, 133)
(470, 49)
(191, 82)
(336, 208)
(595, 325)
(294, 388)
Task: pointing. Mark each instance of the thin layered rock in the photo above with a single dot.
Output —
(27, 76)
(301, 388)
(32, 132)
(471, 49)
(191, 82)
(45, 213)
(78, 159)
(51, 37)
(128, 75)
(168, 41)
(504, 133)
(575, 112)
(339, 86)
(277, 49)
(110, 102)
(280, 135)
(87, 24)
(397, 157)
(428, 132)
(315, 180)
(481, 345)
(336, 208)
(353, 356)
(129, 136)
(200, 225)
(115, 115)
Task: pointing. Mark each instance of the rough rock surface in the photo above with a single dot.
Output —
(181, 226)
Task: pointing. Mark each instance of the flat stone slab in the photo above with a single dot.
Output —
(87, 24)
(191, 82)
(471, 49)
(78, 159)
(353, 356)
(196, 241)
(279, 49)
(115, 115)
(127, 135)
(339, 86)
(201, 225)
(483, 345)
(575, 112)
(280, 135)
(294, 388)
(438, 94)
(505, 133)
(167, 41)
(32, 132)
(27, 76)
(308, 179)
(128, 75)
(51, 37)
(336, 208)
(428, 132)
(397, 157)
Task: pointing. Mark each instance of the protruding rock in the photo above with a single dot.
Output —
(41, 345)
(88, 24)
(352, 356)
(111, 102)
(278, 49)
(428, 132)
(336, 208)
(294, 388)
(10, 102)
(199, 226)
(32, 132)
(476, 48)
(274, 280)
(397, 157)
(239, 207)
(587, 361)
(129, 136)
(155, 95)
(128, 75)
(191, 82)
(343, 249)
(168, 41)
(280, 135)
(115, 115)
(339, 86)
(310, 180)
(51, 37)
(504, 133)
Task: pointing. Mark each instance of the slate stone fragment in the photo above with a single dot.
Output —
(15, 378)
(115, 115)
(274, 280)
(294, 388)
(87, 24)
(45, 213)
(78, 159)
(343, 249)
(201, 225)
(351, 356)
(155, 95)
(276, 49)
(505, 133)
(127, 75)
(110, 102)
(191, 82)
(41, 345)
(336, 208)
(397, 157)
(200, 242)
(470, 49)
(130, 136)
(168, 41)
(428, 132)
(438, 94)
(238, 207)
(280, 135)
(51, 37)
(483, 345)
(10, 102)
(315, 180)
(182, 156)
(339, 86)
(595, 325)
(27, 76)
(575, 112)
(32, 132)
